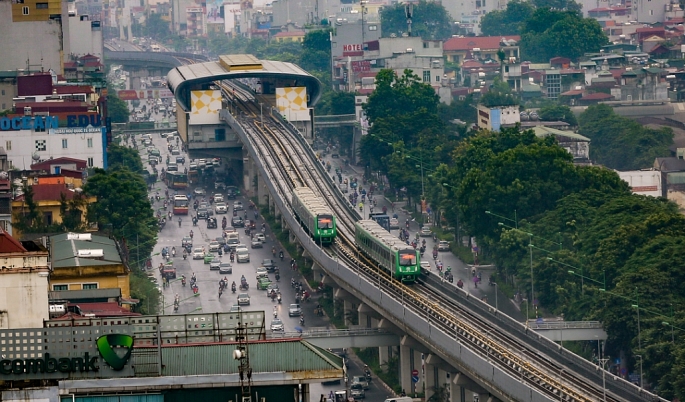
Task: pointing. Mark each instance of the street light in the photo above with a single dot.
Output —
(496, 291)
(637, 306)
(515, 220)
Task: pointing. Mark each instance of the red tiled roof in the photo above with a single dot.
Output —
(650, 30)
(9, 244)
(73, 89)
(104, 309)
(572, 93)
(482, 42)
(596, 96)
(49, 192)
(51, 162)
(471, 64)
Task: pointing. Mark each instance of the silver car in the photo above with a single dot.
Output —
(277, 325)
(243, 298)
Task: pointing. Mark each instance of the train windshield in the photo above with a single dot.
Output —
(325, 221)
(407, 257)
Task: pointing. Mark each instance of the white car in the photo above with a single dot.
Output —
(198, 254)
(260, 237)
(218, 198)
(220, 208)
(394, 223)
(238, 206)
(242, 254)
(214, 246)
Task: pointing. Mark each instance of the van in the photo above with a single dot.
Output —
(399, 399)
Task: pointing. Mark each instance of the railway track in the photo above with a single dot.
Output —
(297, 167)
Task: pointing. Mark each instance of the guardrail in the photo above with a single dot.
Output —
(322, 332)
(534, 325)
(335, 118)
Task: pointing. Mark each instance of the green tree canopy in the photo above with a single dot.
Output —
(499, 94)
(622, 143)
(507, 21)
(547, 34)
(117, 110)
(430, 20)
(119, 156)
(555, 112)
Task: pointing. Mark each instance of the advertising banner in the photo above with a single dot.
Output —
(205, 106)
(292, 103)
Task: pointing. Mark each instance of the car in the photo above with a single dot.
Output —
(269, 264)
(242, 255)
(357, 391)
(243, 298)
(192, 166)
(394, 223)
(260, 237)
(235, 309)
(172, 168)
(219, 185)
(202, 213)
(220, 208)
(221, 240)
(263, 283)
(198, 253)
(232, 243)
(294, 310)
(187, 241)
(214, 245)
(277, 325)
(200, 192)
(256, 244)
(181, 160)
(211, 223)
(426, 232)
(225, 268)
(425, 266)
(208, 258)
(203, 205)
(234, 190)
(215, 265)
(237, 222)
(218, 198)
(230, 229)
(261, 272)
(238, 206)
(201, 163)
(443, 245)
(358, 379)
(175, 151)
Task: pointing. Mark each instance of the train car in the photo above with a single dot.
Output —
(393, 255)
(314, 215)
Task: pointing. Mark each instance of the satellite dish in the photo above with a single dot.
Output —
(237, 354)
(35, 157)
(4, 175)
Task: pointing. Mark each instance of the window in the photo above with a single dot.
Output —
(3, 92)
(426, 76)
(40, 145)
(64, 143)
(90, 162)
(25, 10)
(373, 27)
(8, 145)
(90, 142)
(87, 286)
(41, 6)
(437, 78)
(47, 218)
(651, 12)
(60, 287)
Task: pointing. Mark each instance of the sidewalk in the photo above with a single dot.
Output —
(460, 270)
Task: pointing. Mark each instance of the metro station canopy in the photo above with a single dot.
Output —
(184, 79)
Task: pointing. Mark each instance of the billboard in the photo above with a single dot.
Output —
(214, 12)
(135, 94)
(230, 12)
(205, 106)
(292, 103)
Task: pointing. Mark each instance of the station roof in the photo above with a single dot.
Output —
(183, 79)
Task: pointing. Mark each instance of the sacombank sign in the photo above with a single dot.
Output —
(43, 123)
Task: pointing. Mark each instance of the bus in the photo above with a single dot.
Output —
(176, 180)
(155, 48)
(180, 205)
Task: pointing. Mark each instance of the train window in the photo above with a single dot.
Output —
(407, 258)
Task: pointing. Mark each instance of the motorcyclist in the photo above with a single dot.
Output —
(280, 254)
(233, 287)
(173, 251)
(179, 222)
(191, 234)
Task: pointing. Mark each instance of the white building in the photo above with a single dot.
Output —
(23, 284)
(25, 147)
(643, 182)
(493, 118)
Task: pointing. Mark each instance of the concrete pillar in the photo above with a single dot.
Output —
(135, 82)
(430, 377)
(347, 309)
(405, 368)
(383, 353)
(457, 392)
(263, 192)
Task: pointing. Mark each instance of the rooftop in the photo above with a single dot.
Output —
(597, 96)
(542, 131)
(480, 42)
(65, 248)
(9, 244)
(49, 192)
(289, 34)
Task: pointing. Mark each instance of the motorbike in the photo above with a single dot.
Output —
(279, 298)
(273, 296)
(302, 321)
(194, 221)
(367, 375)
(278, 277)
(233, 288)
(244, 286)
(460, 284)
(281, 255)
(191, 234)
(183, 281)
(195, 288)
(221, 291)
(185, 255)
(179, 222)
(175, 307)
(292, 282)
(173, 253)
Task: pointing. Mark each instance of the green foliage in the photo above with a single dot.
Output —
(430, 20)
(119, 156)
(507, 21)
(499, 94)
(335, 103)
(144, 290)
(555, 112)
(156, 28)
(562, 5)
(117, 110)
(464, 110)
(548, 33)
(622, 143)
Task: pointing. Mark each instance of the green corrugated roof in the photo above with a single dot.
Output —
(64, 251)
(542, 131)
(265, 357)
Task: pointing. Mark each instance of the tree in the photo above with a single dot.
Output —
(507, 21)
(157, 28)
(622, 143)
(547, 34)
(121, 156)
(555, 112)
(116, 108)
(430, 20)
(499, 94)
(561, 5)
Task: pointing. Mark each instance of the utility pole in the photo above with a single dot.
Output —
(409, 12)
